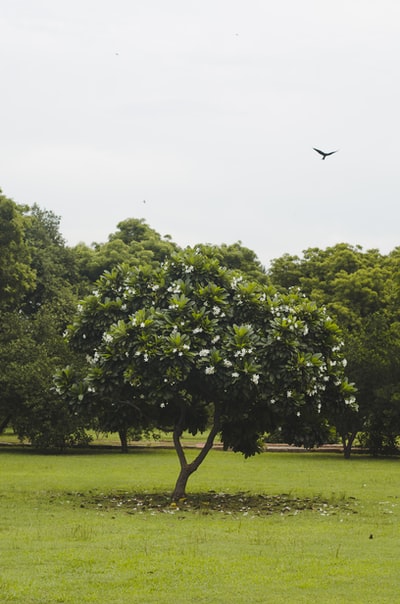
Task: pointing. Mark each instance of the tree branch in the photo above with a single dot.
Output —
(207, 445)
(177, 433)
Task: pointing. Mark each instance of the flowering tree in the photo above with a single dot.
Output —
(193, 346)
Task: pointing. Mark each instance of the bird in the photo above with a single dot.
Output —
(325, 154)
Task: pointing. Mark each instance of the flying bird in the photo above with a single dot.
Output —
(325, 154)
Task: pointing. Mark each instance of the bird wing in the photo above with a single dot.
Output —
(320, 152)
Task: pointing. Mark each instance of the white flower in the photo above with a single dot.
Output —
(215, 339)
(93, 360)
(235, 374)
(255, 378)
(236, 280)
(204, 353)
(298, 413)
(289, 393)
(216, 310)
(197, 330)
(107, 338)
(227, 363)
(210, 370)
(344, 362)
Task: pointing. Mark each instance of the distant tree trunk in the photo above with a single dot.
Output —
(4, 423)
(187, 469)
(347, 441)
(123, 436)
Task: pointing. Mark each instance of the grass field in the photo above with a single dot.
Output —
(92, 527)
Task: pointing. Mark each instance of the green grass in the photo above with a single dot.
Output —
(72, 532)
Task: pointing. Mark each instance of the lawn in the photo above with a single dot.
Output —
(280, 527)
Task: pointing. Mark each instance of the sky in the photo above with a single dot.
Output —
(200, 116)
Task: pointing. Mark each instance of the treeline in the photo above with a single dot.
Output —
(42, 281)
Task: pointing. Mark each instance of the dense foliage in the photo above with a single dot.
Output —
(176, 367)
(361, 291)
(193, 345)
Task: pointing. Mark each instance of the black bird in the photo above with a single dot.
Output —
(325, 154)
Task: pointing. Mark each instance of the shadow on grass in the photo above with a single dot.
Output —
(237, 504)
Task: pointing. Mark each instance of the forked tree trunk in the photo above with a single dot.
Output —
(187, 469)
(180, 485)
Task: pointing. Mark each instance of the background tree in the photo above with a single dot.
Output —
(17, 277)
(134, 243)
(235, 256)
(37, 299)
(361, 291)
(194, 345)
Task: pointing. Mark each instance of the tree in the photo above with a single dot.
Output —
(235, 256)
(37, 298)
(16, 274)
(134, 243)
(360, 289)
(193, 345)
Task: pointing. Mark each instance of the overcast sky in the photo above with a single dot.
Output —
(209, 110)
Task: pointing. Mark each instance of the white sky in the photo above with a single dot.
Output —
(208, 110)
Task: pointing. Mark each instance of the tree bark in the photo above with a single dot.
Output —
(347, 441)
(123, 436)
(187, 469)
(4, 423)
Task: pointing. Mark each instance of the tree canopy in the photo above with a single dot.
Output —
(42, 279)
(194, 345)
(361, 291)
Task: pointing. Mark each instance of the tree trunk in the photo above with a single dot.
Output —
(187, 469)
(347, 441)
(123, 436)
(4, 423)
(180, 486)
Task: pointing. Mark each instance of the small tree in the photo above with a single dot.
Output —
(194, 346)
